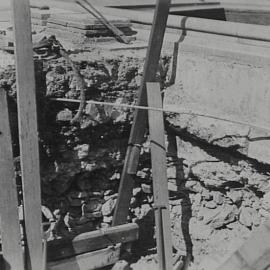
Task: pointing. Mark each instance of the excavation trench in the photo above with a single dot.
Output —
(218, 194)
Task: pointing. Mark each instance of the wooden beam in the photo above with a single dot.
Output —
(140, 116)
(10, 229)
(88, 261)
(29, 148)
(86, 242)
(159, 173)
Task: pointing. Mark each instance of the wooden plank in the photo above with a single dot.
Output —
(28, 134)
(140, 117)
(101, 31)
(88, 18)
(120, 36)
(10, 228)
(86, 25)
(88, 261)
(86, 242)
(159, 173)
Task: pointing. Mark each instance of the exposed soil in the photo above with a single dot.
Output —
(217, 196)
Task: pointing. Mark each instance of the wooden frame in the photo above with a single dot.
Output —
(10, 228)
(28, 134)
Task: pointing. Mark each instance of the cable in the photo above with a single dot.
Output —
(164, 109)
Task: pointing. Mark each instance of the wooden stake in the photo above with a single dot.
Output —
(29, 148)
(160, 183)
(10, 229)
(140, 117)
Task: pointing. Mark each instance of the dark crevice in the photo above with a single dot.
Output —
(228, 155)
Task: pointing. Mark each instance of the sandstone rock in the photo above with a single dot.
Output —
(121, 265)
(235, 195)
(108, 207)
(64, 115)
(142, 174)
(119, 116)
(209, 130)
(136, 191)
(175, 202)
(177, 210)
(210, 205)
(78, 194)
(112, 196)
(21, 213)
(96, 194)
(221, 216)
(107, 219)
(215, 174)
(47, 213)
(199, 230)
(142, 211)
(264, 213)
(104, 225)
(256, 204)
(96, 114)
(197, 199)
(108, 192)
(115, 176)
(145, 264)
(172, 186)
(146, 188)
(206, 195)
(245, 217)
(266, 202)
(92, 205)
(194, 186)
(256, 218)
(171, 172)
(69, 221)
(93, 215)
(217, 197)
(133, 202)
(83, 150)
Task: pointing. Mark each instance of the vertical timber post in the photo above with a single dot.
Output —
(10, 228)
(29, 147)
(140, 116)
(159, 173)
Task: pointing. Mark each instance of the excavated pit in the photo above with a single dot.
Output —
(217, 195)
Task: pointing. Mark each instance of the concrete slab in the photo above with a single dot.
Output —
(226, 79)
